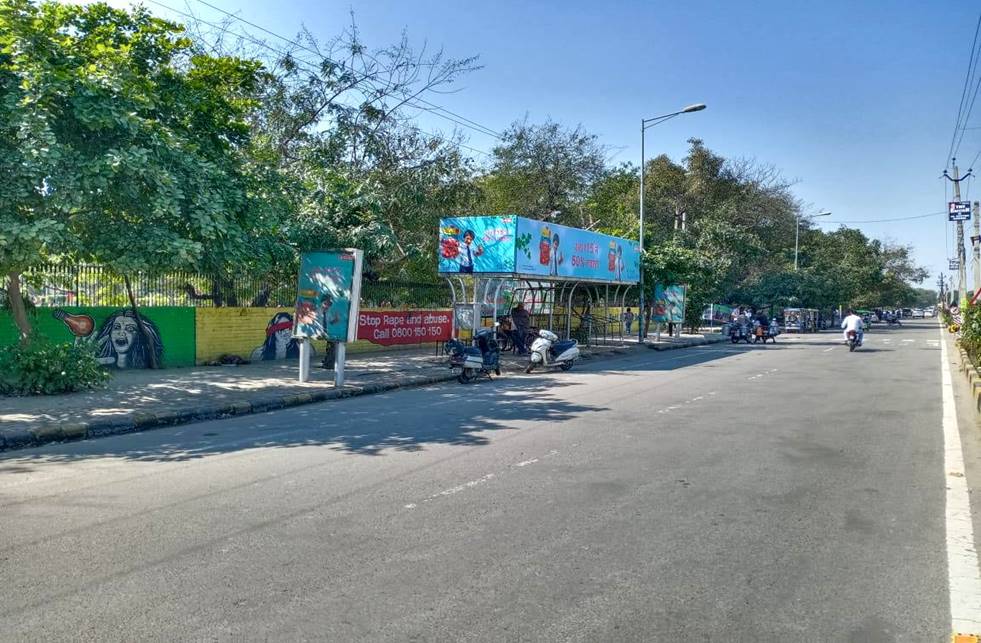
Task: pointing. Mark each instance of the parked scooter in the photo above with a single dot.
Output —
(547, 350)
(474, 361)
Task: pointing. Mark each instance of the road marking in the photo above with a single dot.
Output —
(828, 350)
(964, 582)
(908, 341)
(525, 463)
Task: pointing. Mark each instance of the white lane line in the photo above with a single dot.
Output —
(908, 341)
(525, 463)
(828, 350)
(964, 582)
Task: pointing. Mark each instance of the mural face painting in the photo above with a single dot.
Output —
(669, 304)
(280, 343)
(119, 342)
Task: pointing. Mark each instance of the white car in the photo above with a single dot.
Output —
(917, 313)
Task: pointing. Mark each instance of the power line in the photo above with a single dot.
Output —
(918, 216)
(432, 107)
(971, 68)
(310, 67)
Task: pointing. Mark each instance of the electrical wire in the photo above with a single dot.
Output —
(312, 69)
(432, 107)
(971, 68)
(918, 216)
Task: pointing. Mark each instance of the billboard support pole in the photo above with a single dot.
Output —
(340, 353)
(304, 359)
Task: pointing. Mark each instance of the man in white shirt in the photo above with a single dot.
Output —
(852, 322)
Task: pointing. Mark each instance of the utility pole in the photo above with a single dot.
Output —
(940, 286)
(961, 253)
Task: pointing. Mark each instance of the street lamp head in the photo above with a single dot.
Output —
(697, 107)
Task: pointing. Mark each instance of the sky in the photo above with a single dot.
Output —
(854, 101)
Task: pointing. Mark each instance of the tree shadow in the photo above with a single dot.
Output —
(406, 420)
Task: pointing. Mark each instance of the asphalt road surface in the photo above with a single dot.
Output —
(721, 493)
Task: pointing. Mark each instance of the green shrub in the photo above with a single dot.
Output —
(43, 368)
(970, 339)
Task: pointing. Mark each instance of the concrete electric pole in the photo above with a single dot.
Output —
(976, 244)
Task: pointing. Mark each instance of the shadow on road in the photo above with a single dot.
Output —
(405, 420)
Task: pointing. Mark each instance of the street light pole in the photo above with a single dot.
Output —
(645, 124)
(797, 234)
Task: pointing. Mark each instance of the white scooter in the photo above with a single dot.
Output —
(547, 350)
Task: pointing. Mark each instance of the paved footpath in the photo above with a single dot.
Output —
(723, 493)
(137, 400)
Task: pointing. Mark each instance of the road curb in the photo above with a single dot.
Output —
(687, 344)
(55, 432)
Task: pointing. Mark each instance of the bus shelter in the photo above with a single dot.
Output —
(560, 273)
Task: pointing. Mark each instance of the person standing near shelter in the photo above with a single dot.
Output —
(521, 320)
(628, 320)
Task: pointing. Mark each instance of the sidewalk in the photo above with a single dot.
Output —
(138, 400)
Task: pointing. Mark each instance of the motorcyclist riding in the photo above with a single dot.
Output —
(853, 322)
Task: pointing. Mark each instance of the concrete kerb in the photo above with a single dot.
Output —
(51, 432)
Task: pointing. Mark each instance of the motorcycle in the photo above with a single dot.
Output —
(762, 333)
(474, 361)
(854, 340)
(740, 332)
(547, 350)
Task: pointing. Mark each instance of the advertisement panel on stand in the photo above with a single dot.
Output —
(669, 304)
(328, 295)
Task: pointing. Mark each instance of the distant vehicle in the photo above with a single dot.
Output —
(929, 312)
(917, 313)
(907, 312)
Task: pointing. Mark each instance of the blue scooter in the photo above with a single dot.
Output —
(476, 361)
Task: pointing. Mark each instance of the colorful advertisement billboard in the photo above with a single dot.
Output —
(516, 245)
(328, 295)
(476, 244)
(669, 304)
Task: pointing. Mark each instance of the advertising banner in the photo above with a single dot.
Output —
(553, 250)
(959, 211)
(717, 313)
(476, 244)
(390, 327)
(516, 245)
(328, 295)
(669, 304)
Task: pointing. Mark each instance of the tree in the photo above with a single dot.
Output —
(135, 146)
(540, 169)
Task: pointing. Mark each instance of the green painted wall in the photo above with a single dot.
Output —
(174, 325)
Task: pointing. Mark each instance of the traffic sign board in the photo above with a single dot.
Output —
(959, 211)
(954, 264)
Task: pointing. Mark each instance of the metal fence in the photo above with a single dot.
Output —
(97, 285)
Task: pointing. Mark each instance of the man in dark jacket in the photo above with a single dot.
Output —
(522, 320)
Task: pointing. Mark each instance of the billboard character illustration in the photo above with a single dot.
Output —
(556, 259)
(463, 253)
(619, 263)
(545, 246)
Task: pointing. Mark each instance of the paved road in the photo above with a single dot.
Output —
(722, 493)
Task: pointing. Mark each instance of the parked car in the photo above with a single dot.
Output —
(917, 313)
(907, 312)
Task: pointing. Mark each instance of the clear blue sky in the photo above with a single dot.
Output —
(855, 100)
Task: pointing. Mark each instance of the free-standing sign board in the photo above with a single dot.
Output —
(328, 294)
(669, 304)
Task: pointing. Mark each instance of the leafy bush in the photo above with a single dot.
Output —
(43, 368)
(971, 332)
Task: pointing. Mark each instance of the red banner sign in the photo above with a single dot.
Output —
(388, 327)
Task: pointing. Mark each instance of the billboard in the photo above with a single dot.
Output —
(959, 211)
(328, 294)
(516, 245)
(669, 304)
(476, 244)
